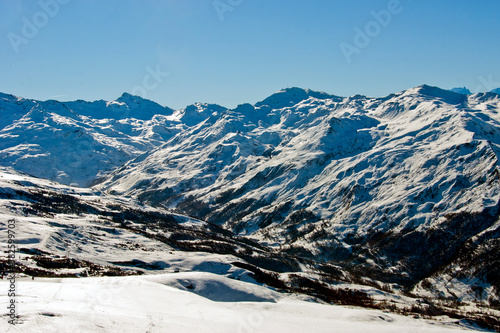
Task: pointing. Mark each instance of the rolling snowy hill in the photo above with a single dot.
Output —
(152, 304)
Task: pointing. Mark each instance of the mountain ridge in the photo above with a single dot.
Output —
(402, 189)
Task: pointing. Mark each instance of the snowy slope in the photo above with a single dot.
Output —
(56, 221)
(175, 290)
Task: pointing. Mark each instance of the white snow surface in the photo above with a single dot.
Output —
(156, 304)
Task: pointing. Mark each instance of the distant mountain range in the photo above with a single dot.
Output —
(465, 91)
(403, 189)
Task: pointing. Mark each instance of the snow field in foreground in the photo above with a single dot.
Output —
(156, 303)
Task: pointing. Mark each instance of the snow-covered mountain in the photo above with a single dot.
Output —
(404, 190)
(75, 142)
(404, 187)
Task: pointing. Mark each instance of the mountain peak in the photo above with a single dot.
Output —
(143, 108)
(291, 96)
(127, 97)
(197, 112)
(448, 96)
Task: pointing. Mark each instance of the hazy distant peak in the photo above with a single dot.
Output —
(461, 90)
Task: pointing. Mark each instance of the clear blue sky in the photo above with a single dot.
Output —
(245, 50)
